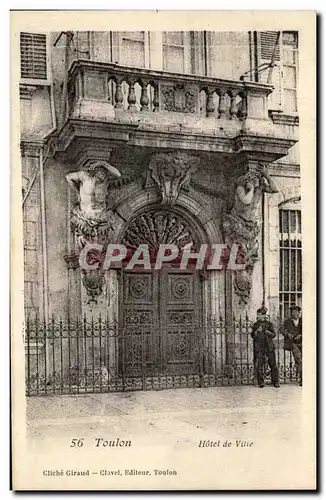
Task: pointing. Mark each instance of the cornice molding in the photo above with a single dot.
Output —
(284, 169)
(30, 148)
(79, 139)
(91, 130)
(280, 118)
(263, 148)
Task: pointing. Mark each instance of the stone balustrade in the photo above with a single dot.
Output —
(108, 91)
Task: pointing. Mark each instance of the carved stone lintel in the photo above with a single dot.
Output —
(171, 171)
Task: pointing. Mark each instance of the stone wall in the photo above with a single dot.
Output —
(56, 204)
(32, 232)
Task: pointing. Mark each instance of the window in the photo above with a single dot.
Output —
(280, 48)
(132, 52)
(173, 51)
(176, 51)
(289, 70)
(290, 270)
(33, 57)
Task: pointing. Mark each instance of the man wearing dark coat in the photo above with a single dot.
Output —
(263, 333)
(292, 332)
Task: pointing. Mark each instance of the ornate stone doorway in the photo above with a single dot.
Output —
(161, 311)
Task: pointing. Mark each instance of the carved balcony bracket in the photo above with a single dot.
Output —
(170, 172)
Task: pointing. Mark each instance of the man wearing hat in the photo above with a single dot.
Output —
(263, 333)
(292, 331)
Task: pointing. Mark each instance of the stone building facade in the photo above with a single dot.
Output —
(186, 118)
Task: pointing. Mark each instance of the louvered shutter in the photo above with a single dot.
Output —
(33, 61)
(267, 45)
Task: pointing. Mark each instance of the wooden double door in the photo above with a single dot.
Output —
(160, 322)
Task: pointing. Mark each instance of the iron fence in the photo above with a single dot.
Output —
(81, 356)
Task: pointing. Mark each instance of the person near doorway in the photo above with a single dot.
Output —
(292, 332)
(263, 333)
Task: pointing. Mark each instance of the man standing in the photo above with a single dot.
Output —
(263, 333)
(292, 331)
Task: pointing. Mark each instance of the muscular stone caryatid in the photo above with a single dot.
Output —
(171, 171)
(91, 219)
(242, 224)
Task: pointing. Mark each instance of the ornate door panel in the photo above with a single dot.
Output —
(181, 314)
(160, 318)
(139, 342)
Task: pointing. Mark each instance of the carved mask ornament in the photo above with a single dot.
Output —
(171, 171)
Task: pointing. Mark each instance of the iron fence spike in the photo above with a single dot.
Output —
(213, 336)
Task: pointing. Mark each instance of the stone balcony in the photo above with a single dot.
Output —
(111, 105)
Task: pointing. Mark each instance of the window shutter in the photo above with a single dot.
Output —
(267, 47)
(33, 61)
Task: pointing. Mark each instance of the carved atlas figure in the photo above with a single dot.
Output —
(91, 216)
(242, 224)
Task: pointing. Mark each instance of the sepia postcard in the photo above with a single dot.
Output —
(163, 262)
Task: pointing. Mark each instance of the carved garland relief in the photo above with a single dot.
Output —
(179, 98)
